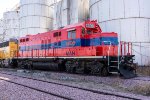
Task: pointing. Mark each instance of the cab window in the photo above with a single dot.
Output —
(69, 35)
(72, 34)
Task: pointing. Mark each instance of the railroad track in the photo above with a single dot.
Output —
(39, 90)
(60, 96)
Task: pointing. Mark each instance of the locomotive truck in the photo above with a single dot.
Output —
(77, 48)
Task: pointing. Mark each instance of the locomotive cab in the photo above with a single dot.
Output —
(105, 44)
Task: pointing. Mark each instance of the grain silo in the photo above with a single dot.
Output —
(69, 12)
(10, 25)
(129, 18)
(35, 16)
(1, 30)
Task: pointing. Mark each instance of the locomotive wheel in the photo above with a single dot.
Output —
(14, 63)
(96, 69)
(104, 72)
(70, 67)
(80, 67)
(2, 66)
(67, 66)
(29, 65)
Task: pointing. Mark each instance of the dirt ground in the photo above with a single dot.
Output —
(143, 70)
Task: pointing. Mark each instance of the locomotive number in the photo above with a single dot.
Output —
(70, 53)
(90, 26)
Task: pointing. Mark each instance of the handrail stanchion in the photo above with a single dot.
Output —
(131, 48)
(121, 47)
(128, 48)
(124, 48)
(119, 54)
(108, 52)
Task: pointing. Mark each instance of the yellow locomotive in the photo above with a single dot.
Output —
(8, 50)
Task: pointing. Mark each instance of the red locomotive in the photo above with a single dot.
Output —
(78, 48)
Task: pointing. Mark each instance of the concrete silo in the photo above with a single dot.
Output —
(68, 12)
(1, 29)
(10, 25)
(130, 19)
(35, 16)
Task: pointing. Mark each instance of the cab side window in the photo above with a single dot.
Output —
(69, 35)
(72, 34)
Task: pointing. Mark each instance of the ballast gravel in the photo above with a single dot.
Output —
(75, 94)
(10, 91)
(111, 84)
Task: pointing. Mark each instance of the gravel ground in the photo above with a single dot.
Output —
(146, 78)
(75, 94)
(9, 91)
(112, 84)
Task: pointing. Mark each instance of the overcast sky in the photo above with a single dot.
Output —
(6, 5)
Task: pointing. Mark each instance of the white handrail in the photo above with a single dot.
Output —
(110, 43)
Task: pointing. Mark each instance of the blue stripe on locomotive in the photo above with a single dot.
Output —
(104, 41)
(113, 40)
(74, 43)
